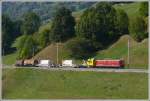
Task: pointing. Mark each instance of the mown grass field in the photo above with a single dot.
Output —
(44, 84)
(9, 59)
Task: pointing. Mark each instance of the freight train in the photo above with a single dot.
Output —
(90, 63)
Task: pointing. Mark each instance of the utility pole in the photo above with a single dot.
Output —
(128, 52)
(33, 52)
(3, 52)
(57, 52)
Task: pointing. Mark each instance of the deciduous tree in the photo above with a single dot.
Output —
(63, 25)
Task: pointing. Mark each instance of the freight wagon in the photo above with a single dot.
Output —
(30, 62)
(27, 62)
(46, 63)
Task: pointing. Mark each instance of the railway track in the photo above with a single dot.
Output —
(85, 69)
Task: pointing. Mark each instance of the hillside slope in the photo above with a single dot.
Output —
(138, 52)
(50, 52)
(131, 9)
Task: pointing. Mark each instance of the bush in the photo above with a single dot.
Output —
(144, 9)
(44, 38)
(80, 48)
(26, 46)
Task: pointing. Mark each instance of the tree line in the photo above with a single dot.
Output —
(44, 9)
(98, 27)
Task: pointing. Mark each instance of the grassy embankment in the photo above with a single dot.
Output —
(43, 84)
(138, 52)
(131, 9)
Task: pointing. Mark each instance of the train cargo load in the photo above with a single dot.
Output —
(45, 63)
(30, 62)
(68, 63)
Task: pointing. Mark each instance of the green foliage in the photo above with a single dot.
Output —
(10, 30)
(17, 29)
(122, 22)
(63, 25)
(44, 9)
(31, 23)
(26, 46)
(98, 23)
(7, 36)
(80, 48)
(44, 38)
(28, 49)
(137, 29)
(144, 9)
(19, 41)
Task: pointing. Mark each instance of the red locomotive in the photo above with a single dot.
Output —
(116, 63)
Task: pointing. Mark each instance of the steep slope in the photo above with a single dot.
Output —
(138, 52)
(131, 9)
(50, 52)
